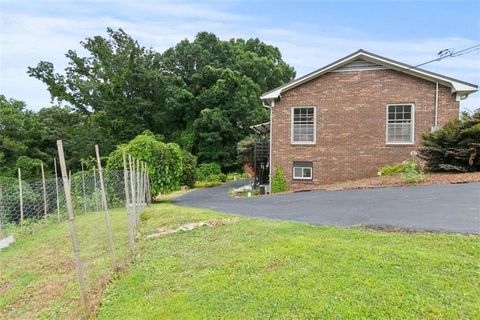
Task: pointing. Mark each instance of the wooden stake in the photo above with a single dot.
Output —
(20, 193)
(1, 213)
(105, 208)
(56, 188)
(45, 204)
(70, 179)
(132, 187)
(131, 235)
(138, 189)
(144, 189)
(95, 189)
(83, 190)
(73, 230)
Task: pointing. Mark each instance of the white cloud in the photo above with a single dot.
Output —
(29, 36)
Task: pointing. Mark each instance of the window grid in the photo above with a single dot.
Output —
(303, 125)
(400, 123)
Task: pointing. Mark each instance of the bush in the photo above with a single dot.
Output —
(10, 211)
(409, 170)
(279, 183)
(209, 172)
(454, 147)
(164, 161)
(393, 169)
(188, 169)
(207, 184)
(244, 175)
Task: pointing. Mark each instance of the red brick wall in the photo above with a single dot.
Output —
(351, 123)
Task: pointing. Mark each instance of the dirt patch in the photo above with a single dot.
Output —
(396, 181)
(190, 226)
(395, 229)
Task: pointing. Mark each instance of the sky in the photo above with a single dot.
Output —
(310, 34)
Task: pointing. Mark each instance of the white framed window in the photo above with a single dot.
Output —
(303, 125)
(400, 123)
(302, 170)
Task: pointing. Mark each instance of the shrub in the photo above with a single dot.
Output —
(412, 171)
(209, 172)
(188, 169)
(279, 183)
(164, 161)
(207, 184)
(454, 147)
(10, 199)
(390, 169)
(409, 170)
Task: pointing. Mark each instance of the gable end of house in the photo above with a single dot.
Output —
(364, 61)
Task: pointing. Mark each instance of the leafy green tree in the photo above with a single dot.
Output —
(212, 131)
(188, 169)
(120, 82)
(30, 167)
(19, 135)
(120, 88)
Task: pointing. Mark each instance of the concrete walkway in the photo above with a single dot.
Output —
(450, 208)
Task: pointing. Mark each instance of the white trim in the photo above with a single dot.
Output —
(412, 129)
(302, 177)
(270, 152)
(455, 85)
(314, 126)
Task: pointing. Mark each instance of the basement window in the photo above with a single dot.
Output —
(302, 170)
(400, 123)
(303, 125)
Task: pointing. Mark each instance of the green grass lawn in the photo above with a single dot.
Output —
(37, 273)
(257, 269)
(253, 269)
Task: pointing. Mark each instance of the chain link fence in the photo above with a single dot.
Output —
(100, 211)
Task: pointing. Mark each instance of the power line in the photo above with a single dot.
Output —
(447, 53)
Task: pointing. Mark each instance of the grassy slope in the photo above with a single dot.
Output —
(282, 270)
(37, 273)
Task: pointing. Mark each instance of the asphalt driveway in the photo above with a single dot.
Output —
(451, 208)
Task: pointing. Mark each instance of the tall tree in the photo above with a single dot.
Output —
(124, 88)
(19, 135)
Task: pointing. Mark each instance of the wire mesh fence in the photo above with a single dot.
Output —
(46, 199)
(98, 208)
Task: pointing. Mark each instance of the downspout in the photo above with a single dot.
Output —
(270, 147)
(436, 108)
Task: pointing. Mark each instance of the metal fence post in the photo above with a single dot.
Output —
(73, 230)
(105, 208)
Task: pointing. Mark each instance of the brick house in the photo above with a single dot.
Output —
(347, 119)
